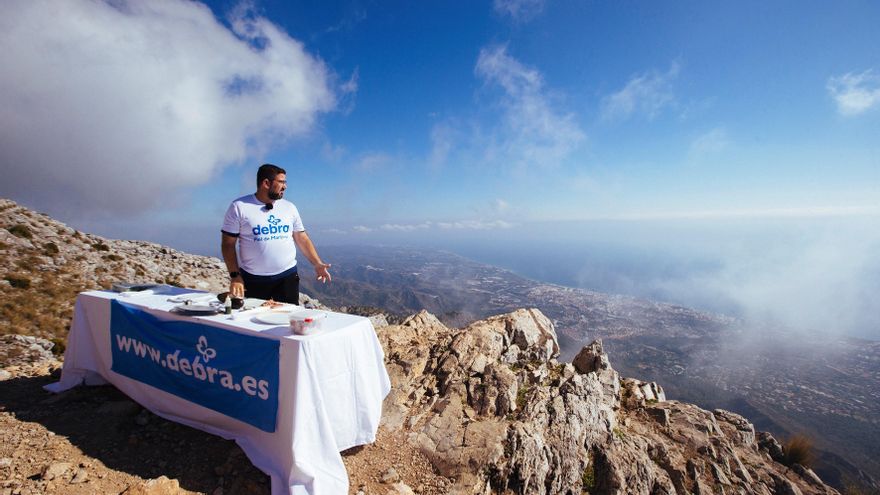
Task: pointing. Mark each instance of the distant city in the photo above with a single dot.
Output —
(785, 381)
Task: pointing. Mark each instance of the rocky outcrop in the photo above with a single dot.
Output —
(491, 408)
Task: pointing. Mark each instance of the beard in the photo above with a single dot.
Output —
(275, 195)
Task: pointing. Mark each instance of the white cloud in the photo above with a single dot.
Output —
(443, 139)
(370, 162)
(710, 142)
(115, 105)
(855, 93)
(519, 10)
(805, 212)
(396, 227)
(476, 225)
(646, 94)
(451, 225)
(533, 132)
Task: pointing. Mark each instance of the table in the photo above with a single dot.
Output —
(327, 387)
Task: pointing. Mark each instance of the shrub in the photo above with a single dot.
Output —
(522, 396)
(100, 246)
(799, 450)
(588, 478)
(50, 248)
(112, 257)
(59, 347)
(18, 282)
(21, 230)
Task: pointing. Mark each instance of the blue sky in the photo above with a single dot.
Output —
(585, 109)
(471, 115)
(667, 124)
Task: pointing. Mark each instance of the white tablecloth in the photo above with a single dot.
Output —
(330, 390)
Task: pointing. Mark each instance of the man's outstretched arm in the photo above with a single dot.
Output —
(304, 244)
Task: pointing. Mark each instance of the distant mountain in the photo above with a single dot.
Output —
(786, 381)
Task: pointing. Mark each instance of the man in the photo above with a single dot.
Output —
(268, 231)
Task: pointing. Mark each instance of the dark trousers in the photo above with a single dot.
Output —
(284, 289)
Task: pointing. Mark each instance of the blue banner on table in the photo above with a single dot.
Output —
(231, 373)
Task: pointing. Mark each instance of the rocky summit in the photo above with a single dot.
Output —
(484, 409)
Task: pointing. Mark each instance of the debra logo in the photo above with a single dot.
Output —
(273, 227)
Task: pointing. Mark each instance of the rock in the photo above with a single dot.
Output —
(661, 415)
(159, 486)
(56, 470)
(533, 333)
(743, 432)
(5, 375)
(390, 476)
(378, 320)
(768, 443)
(400, 489)
(81, 476)
(807, 474)
(18, 350)
(785, 486)
(591, 358)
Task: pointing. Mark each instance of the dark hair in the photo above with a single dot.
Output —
(268, 171)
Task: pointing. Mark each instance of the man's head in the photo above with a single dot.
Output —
(272, 179)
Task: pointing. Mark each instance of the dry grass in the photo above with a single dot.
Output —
(799, 450)
(40, 302)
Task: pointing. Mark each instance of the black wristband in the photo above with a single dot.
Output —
(234, 274)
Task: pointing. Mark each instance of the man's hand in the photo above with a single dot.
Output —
(236, 288)
(322, 272)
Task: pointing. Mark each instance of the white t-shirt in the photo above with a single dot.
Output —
(265, 242)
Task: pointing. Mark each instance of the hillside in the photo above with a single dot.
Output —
(488, 408)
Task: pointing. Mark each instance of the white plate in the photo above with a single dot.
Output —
(251, 303)
(194, 297)
(198, 308)
(274, 317)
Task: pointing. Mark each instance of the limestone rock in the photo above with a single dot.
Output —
(490, 407)
(56, 470)
(159, 486)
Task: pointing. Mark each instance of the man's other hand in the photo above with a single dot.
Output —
(322, 272)
(236, 287)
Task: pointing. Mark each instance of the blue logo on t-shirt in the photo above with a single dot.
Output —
(273, 227)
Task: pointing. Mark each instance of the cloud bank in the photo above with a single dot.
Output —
(115, 105)
(855, 93)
